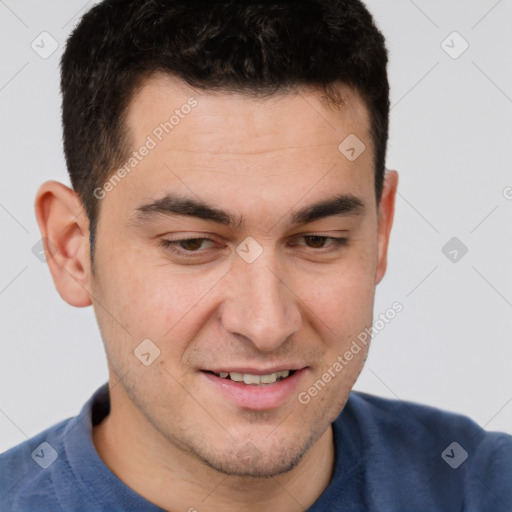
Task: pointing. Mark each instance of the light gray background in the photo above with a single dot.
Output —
(451, 139)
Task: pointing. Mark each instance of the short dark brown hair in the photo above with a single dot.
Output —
(256, 47)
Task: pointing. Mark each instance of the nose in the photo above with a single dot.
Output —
(260, 305)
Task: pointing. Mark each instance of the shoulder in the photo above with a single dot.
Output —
(406, 420)
(27, 471)
(441, 455)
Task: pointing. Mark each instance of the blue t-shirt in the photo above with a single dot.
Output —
(390, 456)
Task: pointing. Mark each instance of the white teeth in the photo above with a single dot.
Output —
(249, 378)
(268, 379)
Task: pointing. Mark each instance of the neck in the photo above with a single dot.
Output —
(174, 479)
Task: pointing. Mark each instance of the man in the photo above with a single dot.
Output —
(229, 222)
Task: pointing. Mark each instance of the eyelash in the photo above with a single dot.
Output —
(172, 245)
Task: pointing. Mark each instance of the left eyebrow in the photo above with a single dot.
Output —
(344, 205)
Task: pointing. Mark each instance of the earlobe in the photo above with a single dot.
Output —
(64, 228)
(386, 215)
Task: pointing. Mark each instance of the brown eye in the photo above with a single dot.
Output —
(190, 247)
(192, 244)
(322, 242)
(316, 242)
(193, 251)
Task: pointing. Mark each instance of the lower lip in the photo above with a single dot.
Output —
(257, 397)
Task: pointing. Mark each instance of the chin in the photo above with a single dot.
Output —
(256, 465)
(253, 460)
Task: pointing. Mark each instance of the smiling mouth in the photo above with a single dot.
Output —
(255, 380)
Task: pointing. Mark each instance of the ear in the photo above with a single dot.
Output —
(385, 220)
(64, 229)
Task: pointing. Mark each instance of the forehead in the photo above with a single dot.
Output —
(253, 153)
(235, 122)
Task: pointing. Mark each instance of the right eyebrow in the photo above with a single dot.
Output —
(172, 204)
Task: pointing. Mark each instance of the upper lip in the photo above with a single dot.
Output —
(256, 371)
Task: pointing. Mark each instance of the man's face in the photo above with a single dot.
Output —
(289, 298)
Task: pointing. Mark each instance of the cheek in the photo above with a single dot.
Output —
(155, 301)
(341, 300)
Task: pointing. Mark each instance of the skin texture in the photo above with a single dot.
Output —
(171, 436)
